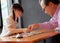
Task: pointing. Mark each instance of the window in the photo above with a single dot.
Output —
(4, 9)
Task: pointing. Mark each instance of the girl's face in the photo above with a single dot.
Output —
(18, 13)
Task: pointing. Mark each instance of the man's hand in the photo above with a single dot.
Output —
(33, 26)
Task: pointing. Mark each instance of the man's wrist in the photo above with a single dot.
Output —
(36, 25)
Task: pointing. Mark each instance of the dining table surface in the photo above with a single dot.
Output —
(43, 34)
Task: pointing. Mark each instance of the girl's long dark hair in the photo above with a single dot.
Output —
(18, 7)
(13, 15)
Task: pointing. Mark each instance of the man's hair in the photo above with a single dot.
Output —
(46, 2)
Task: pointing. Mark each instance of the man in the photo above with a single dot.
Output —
(51, 7)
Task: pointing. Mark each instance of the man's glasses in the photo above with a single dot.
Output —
(44, 8)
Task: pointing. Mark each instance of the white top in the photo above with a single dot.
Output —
(9, 22)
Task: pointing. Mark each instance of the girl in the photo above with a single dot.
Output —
(10, 26)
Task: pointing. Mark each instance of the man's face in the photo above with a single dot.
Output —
(48, 9)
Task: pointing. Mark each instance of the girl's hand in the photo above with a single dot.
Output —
(26, 30)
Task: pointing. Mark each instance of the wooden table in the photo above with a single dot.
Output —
(32, 39)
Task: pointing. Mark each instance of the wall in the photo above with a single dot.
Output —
(33, 12)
